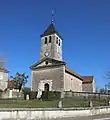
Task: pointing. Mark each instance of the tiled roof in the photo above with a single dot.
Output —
(73, 73)
(51, 30)
(87, 79)
(4, 70)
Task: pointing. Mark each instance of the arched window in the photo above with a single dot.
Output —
(46, 62)
(45, 40)
(50, 38)
(59, 42)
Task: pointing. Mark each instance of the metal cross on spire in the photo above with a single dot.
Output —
(1, 62)
(52, 16)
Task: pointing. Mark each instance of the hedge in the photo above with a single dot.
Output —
(50, 95)
(46, 95)
(32, 94)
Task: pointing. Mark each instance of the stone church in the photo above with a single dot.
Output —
(51, 72)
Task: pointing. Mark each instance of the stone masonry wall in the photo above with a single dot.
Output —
(56, 74)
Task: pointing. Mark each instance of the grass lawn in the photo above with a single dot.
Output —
(28, 104)
(72, 102)
(67, 102)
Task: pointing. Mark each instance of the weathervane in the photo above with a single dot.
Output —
(52, 16)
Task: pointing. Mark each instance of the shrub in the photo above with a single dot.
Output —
(51, 95)
(26, 91)
(33, 95)
(55, 95)
(25, 94)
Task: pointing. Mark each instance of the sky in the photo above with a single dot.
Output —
(84, 25)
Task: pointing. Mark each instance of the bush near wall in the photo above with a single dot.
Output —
(51, 95)
(46, 95)
(25, 94)
(27, 91)
(33, 95)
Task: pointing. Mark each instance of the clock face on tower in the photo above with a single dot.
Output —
(46, 54)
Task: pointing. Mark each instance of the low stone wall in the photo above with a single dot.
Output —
(49, 113)
(87, 95)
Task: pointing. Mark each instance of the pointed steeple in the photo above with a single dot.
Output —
(51, 30)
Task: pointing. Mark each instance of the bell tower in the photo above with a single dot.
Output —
(51, 43)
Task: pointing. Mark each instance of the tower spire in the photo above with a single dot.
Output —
(52, 16)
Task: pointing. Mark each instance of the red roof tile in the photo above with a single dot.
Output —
(87, 79)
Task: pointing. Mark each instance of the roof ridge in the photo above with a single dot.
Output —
(73, 72)
(42, 60)
(87, 78)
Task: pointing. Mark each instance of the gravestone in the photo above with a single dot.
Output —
(39, 94)
(60, 104)
(27, 97)
(90, 103)
(62, 94)
(108, 102)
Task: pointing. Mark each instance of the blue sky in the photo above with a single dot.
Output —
(84, 25)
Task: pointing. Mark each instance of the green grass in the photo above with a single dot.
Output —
(71, 102)
(99, 102)
(27, 104)
(67, 102)
(74, 102)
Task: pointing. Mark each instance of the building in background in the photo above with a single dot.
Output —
(6, 85)
(89, 84)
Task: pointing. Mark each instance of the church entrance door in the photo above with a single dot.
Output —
(46, 87)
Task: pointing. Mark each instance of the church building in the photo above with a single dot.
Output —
(51, 72)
